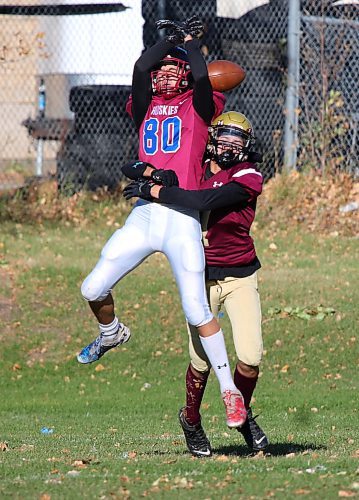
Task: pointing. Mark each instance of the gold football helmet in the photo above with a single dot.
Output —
(230, 139)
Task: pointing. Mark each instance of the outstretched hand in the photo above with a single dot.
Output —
(177, 32)
(138, 189)
(194, 27)
(166, 178)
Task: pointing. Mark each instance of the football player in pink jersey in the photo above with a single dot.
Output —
(172, 105)
(227, 198)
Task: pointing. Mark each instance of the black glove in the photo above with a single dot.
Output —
(139, 189)
(177, 31)
(166, 178)
(194, 27)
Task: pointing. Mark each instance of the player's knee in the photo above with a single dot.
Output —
(93, 289)
(197, 313)
(200, 365)
(250, 359)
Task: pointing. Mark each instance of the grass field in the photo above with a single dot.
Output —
(115, 429)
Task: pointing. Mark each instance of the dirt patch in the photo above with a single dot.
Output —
(6, 307)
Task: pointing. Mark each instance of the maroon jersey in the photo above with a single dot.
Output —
(227, 242)
(173, 136)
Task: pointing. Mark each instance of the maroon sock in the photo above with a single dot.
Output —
(246, 385)
(195, 386)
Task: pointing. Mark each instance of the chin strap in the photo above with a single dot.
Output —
(227, 159)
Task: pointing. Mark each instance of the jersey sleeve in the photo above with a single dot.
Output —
(205, 199)
(202, 89)
(134, 169)
(249, 178)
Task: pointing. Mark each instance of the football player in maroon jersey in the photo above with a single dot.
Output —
(172, 104)
(227, 199)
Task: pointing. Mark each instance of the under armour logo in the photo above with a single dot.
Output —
(217, 184)
(221, 366)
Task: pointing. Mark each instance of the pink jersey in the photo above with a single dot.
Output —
(173, 136)
(227, 241)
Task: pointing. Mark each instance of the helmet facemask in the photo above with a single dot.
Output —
(171, 82)
(225, 152)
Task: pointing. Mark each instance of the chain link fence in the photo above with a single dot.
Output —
(329, 98)
(82, 54)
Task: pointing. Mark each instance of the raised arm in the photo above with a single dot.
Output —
(202, 88)
(141, 79)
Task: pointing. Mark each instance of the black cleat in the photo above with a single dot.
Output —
(196, 439)
(253, 435)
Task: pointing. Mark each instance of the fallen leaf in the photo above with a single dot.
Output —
(99, 368)
(182, 482)
(80, 463)
(73, 473)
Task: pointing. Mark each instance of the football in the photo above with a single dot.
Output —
(225, 75)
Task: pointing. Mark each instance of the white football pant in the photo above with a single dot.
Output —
(152, 227)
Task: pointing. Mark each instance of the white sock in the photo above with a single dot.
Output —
(215, 349)
(109, 332)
